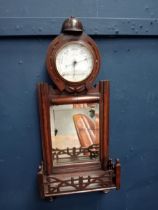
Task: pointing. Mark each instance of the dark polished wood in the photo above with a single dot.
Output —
(104, 87)
(62, 174)
(76, 182)
(117, 174)
(44, 105)
(60, 82)
(77, 167)
(87, 167)
(59, 100)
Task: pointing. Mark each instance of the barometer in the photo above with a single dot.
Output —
(74, 118)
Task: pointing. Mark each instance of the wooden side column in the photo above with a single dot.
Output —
(40, 177)
(104, 89)
(44, 105)
(117, 174)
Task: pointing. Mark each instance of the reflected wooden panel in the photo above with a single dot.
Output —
(74, 132)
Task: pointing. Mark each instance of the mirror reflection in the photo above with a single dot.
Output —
(74, 132)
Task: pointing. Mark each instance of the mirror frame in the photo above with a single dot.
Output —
(105, 171)
(48, 97)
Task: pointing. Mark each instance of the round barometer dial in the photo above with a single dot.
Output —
(74, 62)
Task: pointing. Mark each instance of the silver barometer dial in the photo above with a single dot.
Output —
(74, 62)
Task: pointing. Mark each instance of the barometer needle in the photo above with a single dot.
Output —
(76, 62)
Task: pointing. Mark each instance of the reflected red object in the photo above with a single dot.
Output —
(87, 129)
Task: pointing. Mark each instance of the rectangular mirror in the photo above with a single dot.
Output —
(74, 132)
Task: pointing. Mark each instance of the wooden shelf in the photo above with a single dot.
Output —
(87, 181)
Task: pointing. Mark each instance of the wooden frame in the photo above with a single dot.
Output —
(100, 175)
(58, 43)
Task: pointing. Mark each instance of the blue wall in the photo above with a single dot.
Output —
(131, 64)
